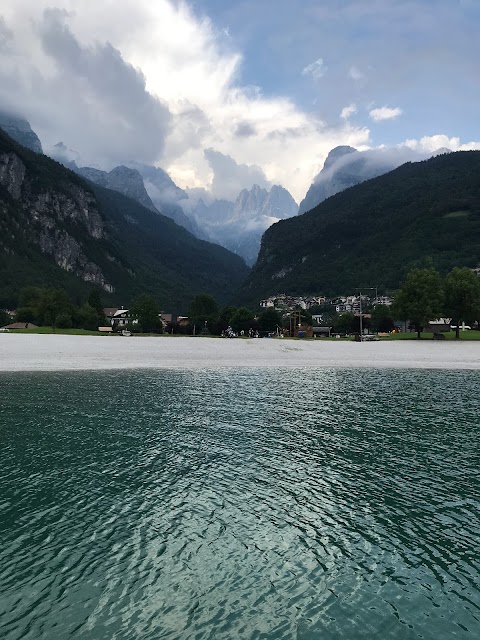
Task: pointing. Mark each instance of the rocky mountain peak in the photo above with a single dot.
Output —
(337, 153)
(20, 130)
(157, 178)
(279, 203)
(122, 179)
(250, 202)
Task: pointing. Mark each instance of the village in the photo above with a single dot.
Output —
(360, 316)
(304, 316)
(289, 307)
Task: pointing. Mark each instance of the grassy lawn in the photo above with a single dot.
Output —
(62, 332)
(464, 335)
(85, 332)
(450, 335)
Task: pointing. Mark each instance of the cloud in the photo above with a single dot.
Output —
(6, 36)
(385, 113)
(229, 177)
(346, 112)
(89, 95)
(429, 144)
(244, 130)
(153, 82)
(315, 69)
(355, 74)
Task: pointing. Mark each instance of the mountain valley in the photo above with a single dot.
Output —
(56, 229)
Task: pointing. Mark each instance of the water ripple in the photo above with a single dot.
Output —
(240, 504)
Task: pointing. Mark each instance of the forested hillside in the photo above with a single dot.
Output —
(56, 229)
(372, 234)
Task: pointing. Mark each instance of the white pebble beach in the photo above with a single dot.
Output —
(24, 352)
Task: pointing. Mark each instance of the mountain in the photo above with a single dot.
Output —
(239, 225)
(256, 203)
(345, 167)
(122, 179)
(20, 130)
(372, 234)
(56, 229)
(150, 186)
(167, 197)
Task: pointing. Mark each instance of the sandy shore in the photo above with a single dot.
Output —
(23, 352)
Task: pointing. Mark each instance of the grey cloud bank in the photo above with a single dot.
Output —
(88, 95)
(159, 83)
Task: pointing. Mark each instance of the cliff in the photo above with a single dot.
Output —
(58, 230)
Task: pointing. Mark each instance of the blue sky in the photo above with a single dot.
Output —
(421, 56)
(266, 88)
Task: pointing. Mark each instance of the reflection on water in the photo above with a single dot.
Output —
(240, 504)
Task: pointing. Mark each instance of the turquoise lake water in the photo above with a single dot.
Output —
(307, 504)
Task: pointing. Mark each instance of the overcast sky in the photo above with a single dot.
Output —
(229, 91)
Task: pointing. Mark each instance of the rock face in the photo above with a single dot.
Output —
(58, 230)
(12, 173)
(335, 176)
(46, 217)
(21, 131)
(346, 167)
(239, 225)
(121, 179)
(151, 186)
(279, 204)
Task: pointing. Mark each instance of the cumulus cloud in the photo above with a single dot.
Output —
(385, 113)
(229, 177)
(315, 69)
(429, 144)
(346, 112)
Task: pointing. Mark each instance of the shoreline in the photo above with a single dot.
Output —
(54, 352)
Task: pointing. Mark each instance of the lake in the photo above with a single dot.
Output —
(237, 502)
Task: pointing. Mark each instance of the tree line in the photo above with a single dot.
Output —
(425, 296)
(53, 308)
(205, 315)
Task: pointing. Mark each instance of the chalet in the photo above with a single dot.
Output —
(109, 313)
(120, 318)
